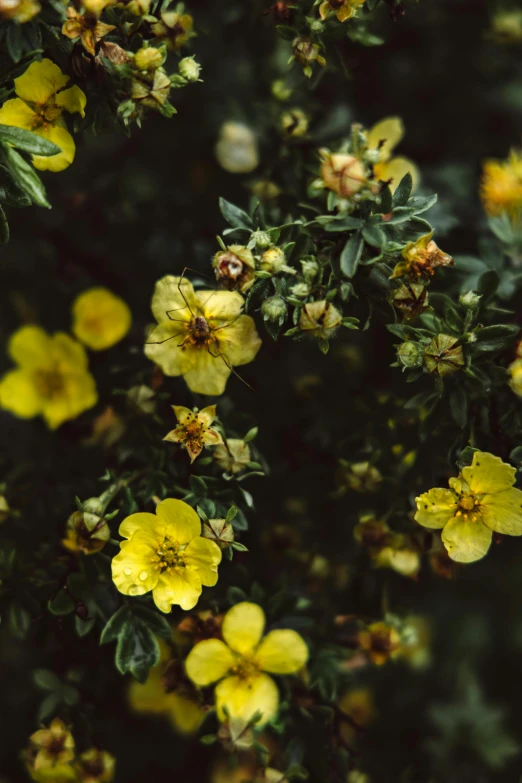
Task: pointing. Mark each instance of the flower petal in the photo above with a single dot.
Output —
(502, 512)
(207, 415)
(19, 395)
(134, 571)
(41, 80)
(466, 541)
(389, 130)
(204, 556)
(163, 346)
(30, 348)
(77, 395)
(60, 136)
(205, 370)
(240, 341)
(68, 353)
(72, 100)
(208, 662)
(181, 587)
(396, 169)
(282, 652)
(488, 474)
(212, 437)
(243, 627)
(16, 112)
(182, 414)
(100, 319)
(174, 300)
(149, 696)
(244, 697)
(220, 306)
(185, 715)
(142, 522)
(181, 521)
(436, 507)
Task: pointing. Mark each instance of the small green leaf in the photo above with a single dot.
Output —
(234, 215)
(4, 228)
(46, 680)
(61, 604)
(402, 191)
(26, 177)
(351, 254)
(26, 141)
(114, 626)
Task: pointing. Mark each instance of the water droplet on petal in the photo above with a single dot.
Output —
(127, 571)
(143, 575)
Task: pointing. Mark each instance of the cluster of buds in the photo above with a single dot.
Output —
(87, 528)
(388, 549)
(52, 756)
(233, 456)
(442, 355)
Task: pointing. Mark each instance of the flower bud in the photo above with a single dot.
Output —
(320, 319)
(411, 299)
(149, 58)
(274, 309)
(409, 354)
(280, 90)
(300, 289)
(470, 299)
(189, 69)
(310, 267)
(273, 260)
(361, 477)
(294, 123)
(4, 509)
(218, 530)
(236, 149)
(138, 7)
(342, 173)
(232, 456)
(261, 240)
(235, 268)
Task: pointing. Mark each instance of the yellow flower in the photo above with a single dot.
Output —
(86, 27)
(421, 257)
(165, 553)
(167, 692)
(481, 501)
(194, 429)
(201, 334)
(384, 137)
(95, 766)
(382, 642)
(21, 11)
(320, 319)
(358, 706)
(400, 555)
(501, 185)
(343, 9)
(174, 28)
(240, 663)
(515, 372)
(39, 107)
(100, 319)
(51, 748)
(52, 378)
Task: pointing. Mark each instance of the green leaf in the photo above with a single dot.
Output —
(421, 204)
(26, 141)
(251, 434)
(235, 595)
(14, 41)
(198, 486)
(19, 621)
(374, 235)
(26, 177)
(4, 228)
(46, 680)
(48, 706)
(234, 215)
(61, 604)
(137, 650)
(156, 622)
(459, 406)
(402, 191)
(351, 254)
(83, 627)
(114, 626)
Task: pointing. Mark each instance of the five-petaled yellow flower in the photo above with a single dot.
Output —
(52, 378)
(240, 664)
(194, 429)
(343, 9)
(100, 319)
(201, 334)
(481, 501)
(85, 26)
(385, 136)
(41, 102)
(165, 553)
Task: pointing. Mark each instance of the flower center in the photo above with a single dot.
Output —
(170, 555)
(47, 114)
(245, 668)
(49, 383)
(200, 332)
(469, 507)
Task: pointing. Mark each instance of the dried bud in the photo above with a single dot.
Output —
(443, 355)
(411, 299)
(151, 89)
(233, 456)
(361, 477)
(218, 530)
(112, 52)
(381, 642)
(236, 734)
(306, 52)
(421, 258)
(320, 319)
(344, 174)
(235, 268)
(174, 28)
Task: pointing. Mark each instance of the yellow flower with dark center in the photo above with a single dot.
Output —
(384, 137)
(381, 642)
(165, 553)
(51, 749)
(95, 766)
(100, 319)
(481, 501)
(241, 664)
(343, 9)
(201, 334)
(39, 107)
(168, 692)
(86, 27)
(174, 28)
(420, 258)
(194, 430)
(52, 378)
(501, 185)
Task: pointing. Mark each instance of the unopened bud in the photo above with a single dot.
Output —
(149, 58)
(273, 260)
(218, 530)
(409, 354)
(189, 69)
(469, 299)
(274, 309)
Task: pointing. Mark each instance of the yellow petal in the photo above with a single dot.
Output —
(30, 348)
(466, 541)
(182, 414)
(239, 342)
(72, 100)
(138, 523)
(185, 715)
(68, 353)
(436, 507)
(150, 697)
(174, 300)
(243, 627)
(502, 512)
(396, 169)
(77, 395)
(207, 415)
(16, 112)
(41, 80)
(212, 438)
(134, 568)
(488, 474)
(100, 319)
(282, 652)
(208, 662)
(205, 371)
(390, 130)
(163, 346)
(181, 521)
(204, 556)
(244, 697)
(182, 588)
(60, 136)
(220, 306)
(19, 395)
